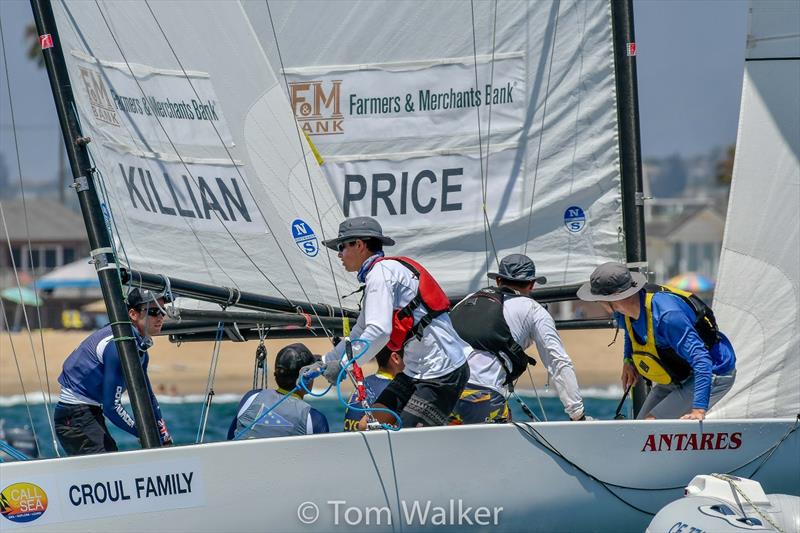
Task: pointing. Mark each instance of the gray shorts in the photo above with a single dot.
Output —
(675, 400)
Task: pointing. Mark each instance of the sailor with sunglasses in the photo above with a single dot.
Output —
(92, 382)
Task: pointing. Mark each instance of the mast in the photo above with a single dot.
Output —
(96, 230)
(629, 148)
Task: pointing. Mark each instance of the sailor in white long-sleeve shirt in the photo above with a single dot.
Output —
(403, 308)
(484, 399)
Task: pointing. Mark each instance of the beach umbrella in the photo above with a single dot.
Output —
(24, 295)
(692, 282)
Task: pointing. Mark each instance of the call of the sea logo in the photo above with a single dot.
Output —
(23, 502)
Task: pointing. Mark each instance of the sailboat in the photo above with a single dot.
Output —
(208, 166)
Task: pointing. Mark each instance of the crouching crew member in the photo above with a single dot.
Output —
(92, 382)
(501, 323)
(671, 338)
(405, 309)
(389, 365)
(290, 417)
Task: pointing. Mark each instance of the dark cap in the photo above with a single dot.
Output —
(358, 228)
(291, 359)
(611, 282)
(139, 297)
(517, 267)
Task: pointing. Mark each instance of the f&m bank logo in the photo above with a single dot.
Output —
(23, 502)
(317, 106)
(103, 107)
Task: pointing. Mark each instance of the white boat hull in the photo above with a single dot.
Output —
(484, 477)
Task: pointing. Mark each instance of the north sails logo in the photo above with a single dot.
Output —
(101, 102)
(317, 106)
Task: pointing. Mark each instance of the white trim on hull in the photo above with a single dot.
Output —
(258, 485)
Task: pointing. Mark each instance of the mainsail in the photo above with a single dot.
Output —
(469, 129)
(205, 174)
(757, 301)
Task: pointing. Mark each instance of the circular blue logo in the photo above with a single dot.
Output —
(305, 238)
(574, 219)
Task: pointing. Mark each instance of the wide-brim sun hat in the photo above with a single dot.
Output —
(517, 267)
(358, 228)
(611, 282)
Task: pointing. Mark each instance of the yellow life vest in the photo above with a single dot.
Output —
(662, 365)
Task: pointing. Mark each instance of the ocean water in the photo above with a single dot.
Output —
(183, 415)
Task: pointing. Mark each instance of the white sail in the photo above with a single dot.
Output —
(203, 165)
(405, 100)
(758, 293)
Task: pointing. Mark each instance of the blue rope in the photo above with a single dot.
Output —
(339, 379)
(13, 452)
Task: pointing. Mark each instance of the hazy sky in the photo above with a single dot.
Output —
(690, 63)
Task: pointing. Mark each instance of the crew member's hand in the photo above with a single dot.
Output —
(695, 414)
(167, 442)
(629, 375)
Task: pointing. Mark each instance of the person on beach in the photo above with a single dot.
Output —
(500, 323)
(290, 415)
(390, 363)
(92, 382)
(671, 338)
(403, 308)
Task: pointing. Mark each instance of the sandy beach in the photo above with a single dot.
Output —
(181, 370)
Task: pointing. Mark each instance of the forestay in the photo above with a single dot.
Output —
(425, 112)
(201, 160)
(758, 292)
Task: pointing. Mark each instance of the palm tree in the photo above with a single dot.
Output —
(34, 52)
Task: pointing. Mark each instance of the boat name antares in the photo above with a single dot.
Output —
(145, 487)
(681, 442)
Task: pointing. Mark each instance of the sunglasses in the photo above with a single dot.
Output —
(343, 245)
(154, 312)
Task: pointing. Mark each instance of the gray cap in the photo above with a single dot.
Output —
(517, 267)
(611, 282)
(139, 297)
(358, 228)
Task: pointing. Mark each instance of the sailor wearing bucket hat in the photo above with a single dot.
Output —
(671, 338)
(92, 381)
(404, 309)
(500, 323)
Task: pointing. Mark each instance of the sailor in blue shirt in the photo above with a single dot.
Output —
(288, 417)
(671, 338)
(92, 382)
(390, 364)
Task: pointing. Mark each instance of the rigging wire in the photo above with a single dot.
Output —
(487, 230)
(541, 130)
(536, 391)
(305, 162)
(185, 166)
(209, 394)
(46, 385)
(247, 186)
(19, 373)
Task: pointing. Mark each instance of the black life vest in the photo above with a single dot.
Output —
(429, 293)
(479, 320)
(662, 364)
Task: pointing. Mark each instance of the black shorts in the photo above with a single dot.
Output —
(424, 402)
(81, 429)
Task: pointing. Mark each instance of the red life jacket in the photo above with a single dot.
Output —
(429, 293)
